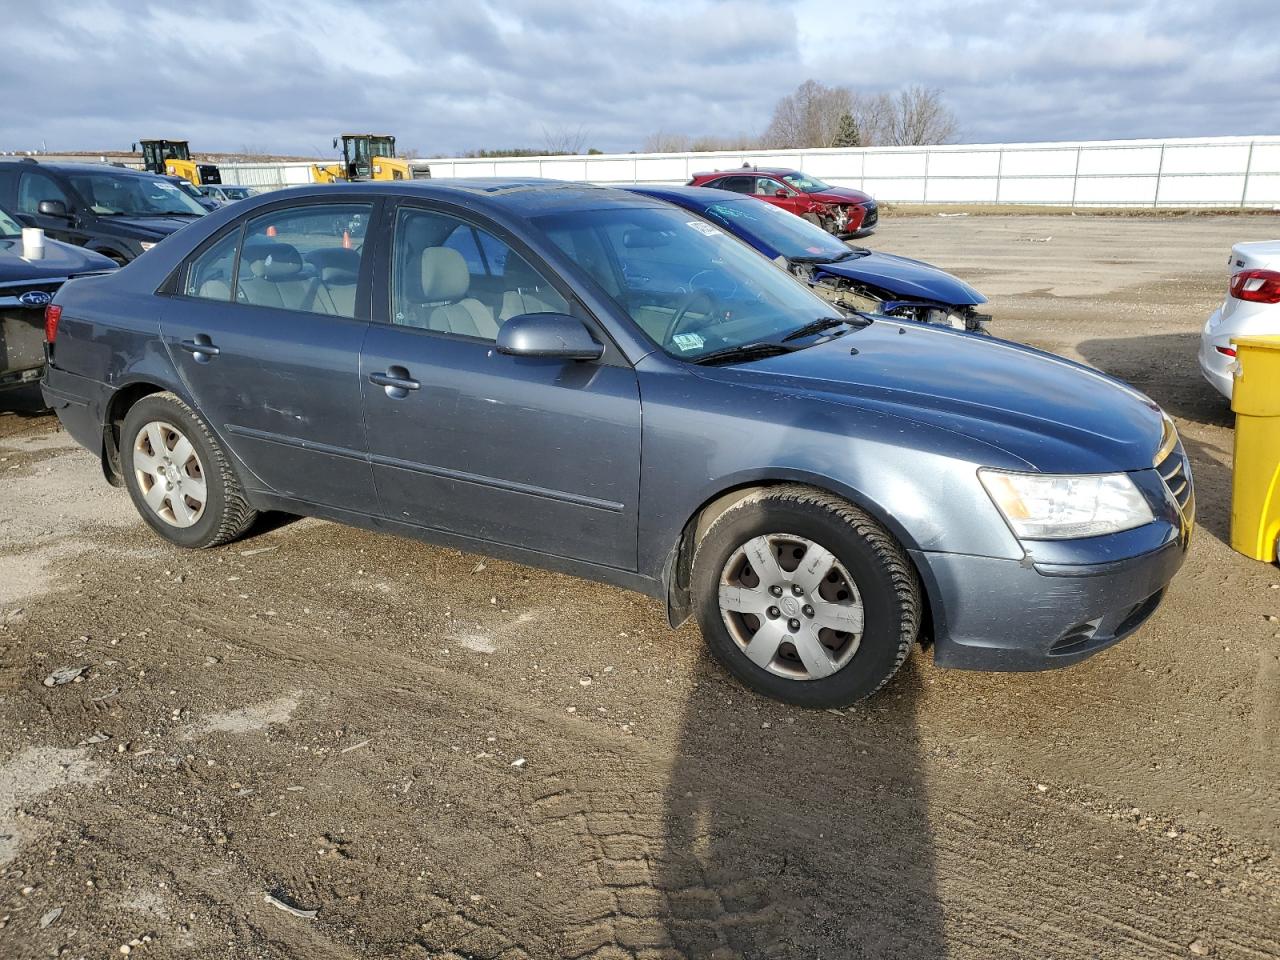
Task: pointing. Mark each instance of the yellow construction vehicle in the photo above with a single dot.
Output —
(368, 156)
(173, 157)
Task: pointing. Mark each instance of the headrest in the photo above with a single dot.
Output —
(422, 231)
(274, 261)
(335, 257)
(444, 275)
(337, 277)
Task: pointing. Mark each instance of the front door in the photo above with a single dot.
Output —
(266, 335)
(542, 454)
(768, 188)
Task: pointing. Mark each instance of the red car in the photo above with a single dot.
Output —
(839, 210)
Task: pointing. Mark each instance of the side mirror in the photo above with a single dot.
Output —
(548, 335)
(780, 192)
(52, 208)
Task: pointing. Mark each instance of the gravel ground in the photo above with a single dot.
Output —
(419, 753)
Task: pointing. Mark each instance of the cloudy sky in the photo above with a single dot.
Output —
(452, 75)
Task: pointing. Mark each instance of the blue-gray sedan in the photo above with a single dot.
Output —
(601, 383)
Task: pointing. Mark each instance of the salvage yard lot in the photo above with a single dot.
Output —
(444, 755)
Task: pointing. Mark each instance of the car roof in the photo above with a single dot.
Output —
(699, 197)
(748, 171)
(70, 167)
(521, 196)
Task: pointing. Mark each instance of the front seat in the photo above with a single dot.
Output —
(445, 281)
(526, 291)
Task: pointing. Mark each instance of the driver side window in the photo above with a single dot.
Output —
(34, 188)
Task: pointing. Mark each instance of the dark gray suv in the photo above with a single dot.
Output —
(111, 210)
(597, 382)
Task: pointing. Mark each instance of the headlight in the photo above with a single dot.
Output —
(146, 245)
(1044, 507)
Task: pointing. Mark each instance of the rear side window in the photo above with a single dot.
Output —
(736, 184)
(304, 258)
(211, 274)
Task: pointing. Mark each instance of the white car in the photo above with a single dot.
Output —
(1252, 307)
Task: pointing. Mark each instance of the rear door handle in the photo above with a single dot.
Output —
(397, 382)
(201, 348)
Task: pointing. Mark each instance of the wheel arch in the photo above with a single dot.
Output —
(679, 562)
(117, 407)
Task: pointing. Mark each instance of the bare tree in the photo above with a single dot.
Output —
(809, 117)
(662, 141)
(920, 116)
(564, 140)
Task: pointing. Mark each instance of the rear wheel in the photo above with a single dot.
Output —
(178, 476)
(805, 598)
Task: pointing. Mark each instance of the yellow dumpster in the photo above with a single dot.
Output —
(1255, 494)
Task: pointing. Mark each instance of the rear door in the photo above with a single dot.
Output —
(266, 332)
(537, 453)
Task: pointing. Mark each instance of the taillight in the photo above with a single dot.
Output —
(1256, 286)
(52, 314)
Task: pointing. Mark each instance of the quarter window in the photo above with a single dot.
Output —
(211, 274)
(304, 258)
(453, 277)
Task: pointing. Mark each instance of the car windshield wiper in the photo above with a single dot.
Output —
(815, 326)
(742, 353)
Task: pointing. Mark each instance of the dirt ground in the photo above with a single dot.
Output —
(446, 756)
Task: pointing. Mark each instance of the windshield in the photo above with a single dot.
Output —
(805, 183)
(692, 288)
(125, 195)
(9, 227)
(793, 237)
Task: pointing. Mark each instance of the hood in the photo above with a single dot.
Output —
(60, 260)
(150, 228)
(840, 195)
(905, 278)
(1045, 413)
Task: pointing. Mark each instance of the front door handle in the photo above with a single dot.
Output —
(396, 381)
(201, 348)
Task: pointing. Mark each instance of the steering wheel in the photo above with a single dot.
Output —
(687, 303)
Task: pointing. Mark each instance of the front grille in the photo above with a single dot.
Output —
(1175, 471)
(873, 215)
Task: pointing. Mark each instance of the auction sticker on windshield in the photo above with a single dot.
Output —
(706, 229)
(688, 341)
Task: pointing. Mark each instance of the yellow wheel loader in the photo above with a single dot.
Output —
(368, 156)
(173, 157)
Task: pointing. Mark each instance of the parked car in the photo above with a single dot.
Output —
(851, 277)
(224, 193)
(846, 213)
(191, 190)
(482, 369)
(1251, 307)
(27, 285)
(111, 210)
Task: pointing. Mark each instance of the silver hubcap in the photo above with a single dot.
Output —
(169, 474)
(791, 606)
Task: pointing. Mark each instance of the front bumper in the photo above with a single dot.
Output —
(1065, 600)
(860, 227)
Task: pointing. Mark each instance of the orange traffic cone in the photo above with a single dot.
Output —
(271, 230)
(346, 240)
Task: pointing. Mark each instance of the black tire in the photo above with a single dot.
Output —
(226, 514)
(890, 591)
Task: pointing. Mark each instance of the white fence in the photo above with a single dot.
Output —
(1202, 172)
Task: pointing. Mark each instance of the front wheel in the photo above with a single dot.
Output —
(178, 476)
(805, 598)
